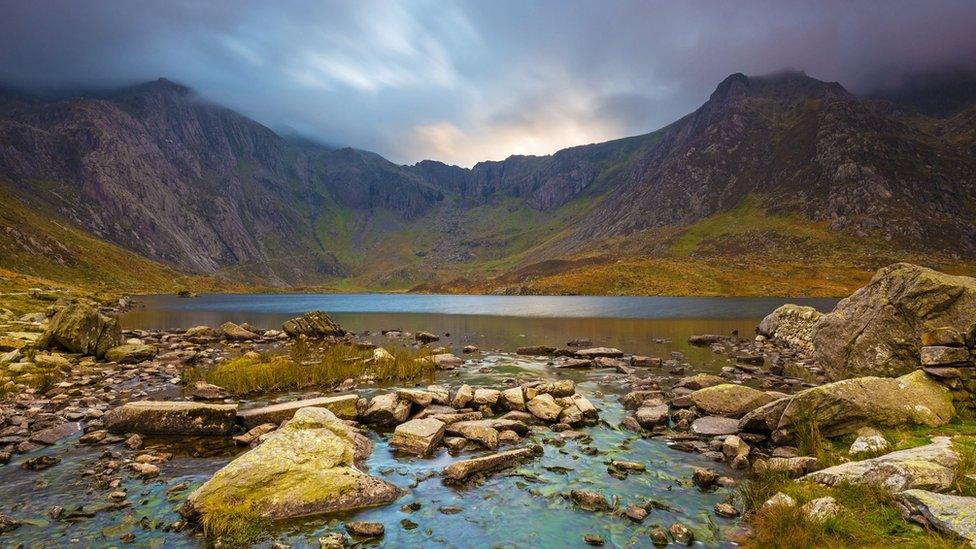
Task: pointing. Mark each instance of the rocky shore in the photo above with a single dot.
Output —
(896, 355)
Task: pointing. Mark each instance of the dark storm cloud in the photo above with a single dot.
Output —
(463, 81)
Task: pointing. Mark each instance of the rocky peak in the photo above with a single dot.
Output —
(785, 85)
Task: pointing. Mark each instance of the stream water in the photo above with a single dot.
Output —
(521, 507)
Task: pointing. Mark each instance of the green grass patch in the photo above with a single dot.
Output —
(304, 367)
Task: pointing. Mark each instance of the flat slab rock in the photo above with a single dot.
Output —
(343, 406)
(928, 467)
(715, 426)
(948, 514)
(172, 418)
(460, 471)
(418, 436)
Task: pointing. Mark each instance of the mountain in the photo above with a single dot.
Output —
(774, 176)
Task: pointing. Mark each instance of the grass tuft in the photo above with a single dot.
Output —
(304, 367)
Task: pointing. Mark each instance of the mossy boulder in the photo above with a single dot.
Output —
(729, 399)
(953, 515)
(878, 330)
(306, 468)
(81, 328)
(929, 467)
(843, 407)
(131, 353)
(314, 324)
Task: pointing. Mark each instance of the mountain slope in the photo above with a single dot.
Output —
(779, 169)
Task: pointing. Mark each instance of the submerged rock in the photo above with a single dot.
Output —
(462, 470)
(172, 418)
(305, 468)
(842, 407)
(878, 329)
(313, 324)
(80, 328)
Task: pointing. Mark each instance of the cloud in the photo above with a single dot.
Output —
(469, 80)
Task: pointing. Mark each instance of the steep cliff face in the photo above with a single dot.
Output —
(158, 171)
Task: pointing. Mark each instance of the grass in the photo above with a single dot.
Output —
(304, 367)
(870, 517)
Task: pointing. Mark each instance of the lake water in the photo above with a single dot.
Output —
(521, 507)
(633, 324)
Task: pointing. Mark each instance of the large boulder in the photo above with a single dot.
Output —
(729, 399)
(314, 324)
(953, 515)
(928, 467)
(172, 418)
(792, 324)
(80, 328)
(843, 407)
(877, 331)
(306, 468)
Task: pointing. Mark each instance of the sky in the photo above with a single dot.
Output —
(465, 81)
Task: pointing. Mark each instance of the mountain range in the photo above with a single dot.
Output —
(779, 184)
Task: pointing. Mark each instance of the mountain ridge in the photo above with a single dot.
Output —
(158, 171)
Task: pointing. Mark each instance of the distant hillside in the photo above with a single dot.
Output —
(777, 184)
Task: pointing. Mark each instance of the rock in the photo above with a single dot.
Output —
(589, 501)
(792, 324)
(439, 394)
(681, 534)
(144, 470)
(131, 353)
(635, 513)
(233, 332)
(645, 361)
(561, 388)
(593, 539)
(447, 361)
(468, 349)
(134, 442)
(205, 391)
(651, 416)
(794, 466)
(344, 406)
(868, 441)
(80, 328)
(736, 452)
(821, 509)
(387, 410)
(566, 362)
(928, 467)
(305, 468)
(51, 361)
(544, 407)
(426, 337)
(39, 463)
(699, 381)
(381, 355)
(714, 426)
(463, 396)
(635, 399)
(481, 432)
(953, 515)
(726, 510)
(171, 418)
(729, 400)
(944, 336)
(53, 434)
(704, 478)
(313, 324)
(332, 540)
(513, 399)
(418, 436)
(877, 330)
(365, 529)
(537, 350)
(485, 397)
(8, 523)
(704, 340)
(659, 537)
(842, 407)
(779, 499)
(417, 396)
(595, 352)
(202, 332)
(255, 433)
(462, 470)
(945, 356)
